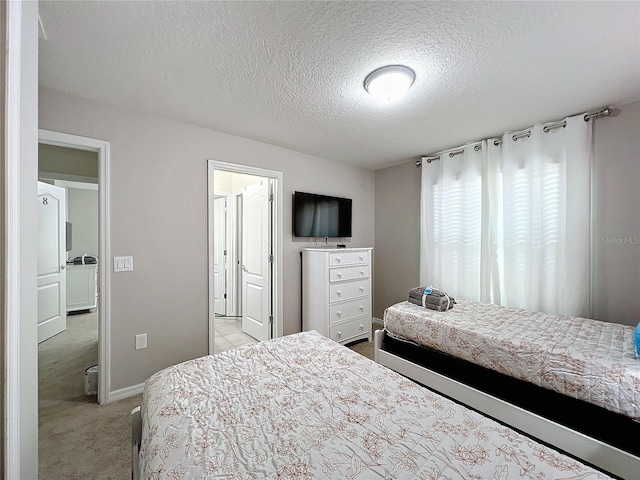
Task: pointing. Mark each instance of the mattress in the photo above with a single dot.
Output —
(303, 406)
(590, 360)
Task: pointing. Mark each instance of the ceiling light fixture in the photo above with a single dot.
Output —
(390, 82)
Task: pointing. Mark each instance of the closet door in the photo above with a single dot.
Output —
(256, 265)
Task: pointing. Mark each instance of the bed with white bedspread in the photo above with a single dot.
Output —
(303, 406)
(573, 382)
(591, 360)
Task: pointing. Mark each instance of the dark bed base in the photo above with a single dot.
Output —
(604, 425)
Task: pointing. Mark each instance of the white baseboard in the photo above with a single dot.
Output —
(377, 320)
(126, 392)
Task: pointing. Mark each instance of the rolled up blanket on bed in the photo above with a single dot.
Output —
(436, 296)
(431, 306)
(416, 292)
(436, 300)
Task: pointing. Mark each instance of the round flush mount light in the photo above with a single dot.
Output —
(389, 82)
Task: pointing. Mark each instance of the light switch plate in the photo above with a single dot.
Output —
(123, 264)
(141, 341)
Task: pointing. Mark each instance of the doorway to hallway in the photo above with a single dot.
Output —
(244, 251)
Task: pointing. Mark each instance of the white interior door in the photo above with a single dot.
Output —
(220, 256)
(256, 267)
(52, 281)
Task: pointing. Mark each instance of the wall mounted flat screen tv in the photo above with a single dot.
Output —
(321, 215)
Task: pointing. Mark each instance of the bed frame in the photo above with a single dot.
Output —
(620, 461)
(136, 439)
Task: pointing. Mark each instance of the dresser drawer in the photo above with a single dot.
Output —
(347, 310)
(358, 327)
(348, 273)
(348, 258)
(346, 291)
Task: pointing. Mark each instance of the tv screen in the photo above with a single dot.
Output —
(321, 215)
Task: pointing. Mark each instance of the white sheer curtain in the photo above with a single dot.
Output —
(510, 223)
(543, 222)
(455, 255)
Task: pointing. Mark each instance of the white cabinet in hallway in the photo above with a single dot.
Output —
(82, 287)
(336, 292)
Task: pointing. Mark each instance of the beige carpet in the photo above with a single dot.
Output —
(363, 348)
(79, 439)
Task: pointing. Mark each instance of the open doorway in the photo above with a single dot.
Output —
(67, 279)
(79, 351)
(244, 255)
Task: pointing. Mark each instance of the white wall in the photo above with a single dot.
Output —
(616, 182)
(232, 182)
(223, 182)
(159, 215)
(82, 212)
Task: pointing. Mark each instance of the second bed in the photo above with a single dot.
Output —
(577, 373)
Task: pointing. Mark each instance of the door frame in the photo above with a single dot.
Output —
(13, 132)
(102, 148)
(276, 232)
(237, 252)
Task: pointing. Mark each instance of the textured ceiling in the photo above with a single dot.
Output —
(291, 73)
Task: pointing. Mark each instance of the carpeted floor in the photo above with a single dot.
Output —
(79, 439)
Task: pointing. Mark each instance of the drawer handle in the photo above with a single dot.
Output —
(339, 313)
(338, 293)
(338, 259)
(361, 258)
(339, 334)
(361, 272)
(362, 289)
(361, 327)
(339, 275)
(361, 308)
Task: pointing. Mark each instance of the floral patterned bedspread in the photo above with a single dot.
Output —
(303, 406)
(586, 359)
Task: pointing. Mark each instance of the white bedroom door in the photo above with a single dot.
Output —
(52, 280)
(220, 256)
(256, 264)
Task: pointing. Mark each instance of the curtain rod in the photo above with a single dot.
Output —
(604, 112)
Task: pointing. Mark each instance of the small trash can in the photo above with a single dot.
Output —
(91, 380)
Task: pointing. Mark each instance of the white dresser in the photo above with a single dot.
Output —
(336, 292)
(82, 291)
